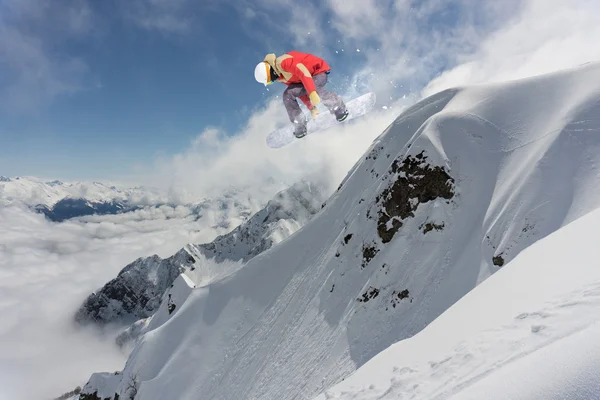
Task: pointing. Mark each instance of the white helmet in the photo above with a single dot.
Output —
(262, 73)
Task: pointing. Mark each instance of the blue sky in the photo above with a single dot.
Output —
(89, 89)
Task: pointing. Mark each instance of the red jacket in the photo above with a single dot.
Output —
(296, 67)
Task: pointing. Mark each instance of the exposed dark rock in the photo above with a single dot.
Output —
(347, 238)
(397, 297)
(498, 260)
(70, 394)
(94, 396)
(171, 306)
(136, 292)
(369, 252)
(371, 293)
(428, 227)
(528, 227)
(374, 153)
(417, 183)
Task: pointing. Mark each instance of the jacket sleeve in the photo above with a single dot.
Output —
(306, 101)
(300, 71)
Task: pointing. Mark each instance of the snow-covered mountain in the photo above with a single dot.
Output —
(60, 201)
(449, 194)
(137, 291)
(72, 208)
(33, 192)
(529, 332)
(287, 212)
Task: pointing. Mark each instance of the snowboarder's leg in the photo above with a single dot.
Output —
(290, 101)
(333, 102)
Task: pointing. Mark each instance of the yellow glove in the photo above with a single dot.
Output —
(314, 112)
(314, 98)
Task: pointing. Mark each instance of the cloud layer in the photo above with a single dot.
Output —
(46, 271)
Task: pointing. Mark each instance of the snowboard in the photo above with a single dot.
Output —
(356, 107)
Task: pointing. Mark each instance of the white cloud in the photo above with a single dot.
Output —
(546, 36)
(406, 43)
(358, 19)
(216, 162)
(46, 271)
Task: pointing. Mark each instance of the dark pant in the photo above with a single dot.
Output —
(332, 101)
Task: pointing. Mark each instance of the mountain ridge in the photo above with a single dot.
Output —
(138, 290)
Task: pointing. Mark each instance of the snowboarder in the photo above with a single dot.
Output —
(306, 76)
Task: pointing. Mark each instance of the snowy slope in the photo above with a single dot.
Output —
(534, 324)
(173, 297)
(454, 189)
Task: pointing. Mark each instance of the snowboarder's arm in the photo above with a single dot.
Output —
(300, 71)
(306, 101)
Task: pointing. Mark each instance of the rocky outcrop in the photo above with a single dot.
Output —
(70, 395)
(136, 292)
(416, 183)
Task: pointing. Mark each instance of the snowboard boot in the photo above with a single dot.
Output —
(300, 132)
(300, 128)
(341, 113)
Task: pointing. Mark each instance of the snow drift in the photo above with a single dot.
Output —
(450, 193)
